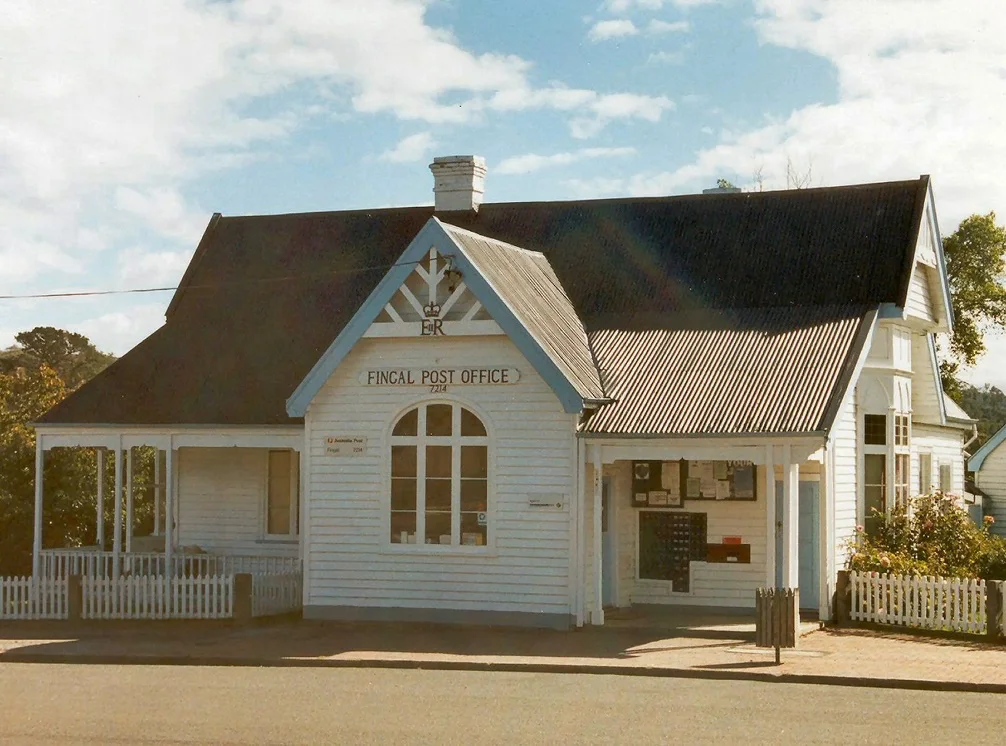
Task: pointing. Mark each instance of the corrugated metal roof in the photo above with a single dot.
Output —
(754, 371)
(525, 281)
(954, 410)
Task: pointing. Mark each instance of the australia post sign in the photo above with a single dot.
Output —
(438, 379)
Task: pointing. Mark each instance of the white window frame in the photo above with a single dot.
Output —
(925, 474)
(294, 534)
(949, 466)
(420, 441)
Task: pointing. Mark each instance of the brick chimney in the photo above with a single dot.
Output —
(458, 182)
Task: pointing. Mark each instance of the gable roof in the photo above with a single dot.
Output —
(976, 461)
(515, 286)
(265, 296)
(739, 372)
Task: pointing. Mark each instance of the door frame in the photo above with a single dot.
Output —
(609, 558)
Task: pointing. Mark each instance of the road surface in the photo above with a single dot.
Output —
(90, 704)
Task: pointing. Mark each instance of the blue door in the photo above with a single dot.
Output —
(607, 546)
(810, 541)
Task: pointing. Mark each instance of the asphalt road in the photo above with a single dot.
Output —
(89, 704)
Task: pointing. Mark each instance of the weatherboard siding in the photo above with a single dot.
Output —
(221, 499)
(846, 483)
(991, 478)
(945, 445)
(919, 302)
(350, 559)
(925, 404)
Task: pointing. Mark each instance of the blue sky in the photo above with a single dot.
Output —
(125, 126)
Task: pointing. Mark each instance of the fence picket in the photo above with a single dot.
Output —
(956, 604)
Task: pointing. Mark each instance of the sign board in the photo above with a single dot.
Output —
(345, 445)
(439, 379)
(545, 501)
(482, 519)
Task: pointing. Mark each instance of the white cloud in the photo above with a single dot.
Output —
(666, 27)
(529, 162)
(622, 6)
(612, 29)
(409, 149)
(140, 267)
(164, 210)
(118, 331)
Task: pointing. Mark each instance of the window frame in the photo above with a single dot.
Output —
(294, 533)
(420, 441)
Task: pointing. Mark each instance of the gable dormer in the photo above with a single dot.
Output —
(927, 299)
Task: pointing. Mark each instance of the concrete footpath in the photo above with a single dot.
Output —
(827, 656)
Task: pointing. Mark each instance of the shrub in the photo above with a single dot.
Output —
(933, 535)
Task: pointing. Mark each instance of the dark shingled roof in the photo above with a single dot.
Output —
(264, 296)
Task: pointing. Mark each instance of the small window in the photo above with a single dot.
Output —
(902, 478)
(946, 478)
(901, 429)
(925, 473)
(875, 429)
(874, 492)
(281, 509)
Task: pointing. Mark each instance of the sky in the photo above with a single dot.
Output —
(124, 126)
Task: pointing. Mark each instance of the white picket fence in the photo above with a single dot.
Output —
(158, 597)
(27, 598)
(954, 604)
(276, 594)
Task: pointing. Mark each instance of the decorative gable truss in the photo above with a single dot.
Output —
(928, 299)
(433, 301)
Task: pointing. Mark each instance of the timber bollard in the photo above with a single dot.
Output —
(994, 608)
(843, 598)
(243, 597)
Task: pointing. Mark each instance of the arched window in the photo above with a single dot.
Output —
(439, 477)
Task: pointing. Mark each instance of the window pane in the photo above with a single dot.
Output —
(403, 494)
(438, 527)
(403, 461)
(438, 461)
(474, 462)
(408, 424)
(473, 495)
(873, 504)
(403, 527)
(471, 424)
(278, 517)
(875, 467)
(439, 419)
(472, 534)
(875, 429)
(438, 494)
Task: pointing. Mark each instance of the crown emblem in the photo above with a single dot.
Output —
(431, 310)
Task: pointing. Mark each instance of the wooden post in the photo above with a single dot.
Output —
(842, 598)
(994, 608)
(243, 597)
(129, 500)
(169, 506)
(158, 487)
(36, 551)
(770, 518)
(117, 518)
(74, 597)
(597, 614)
(100, 527)
(791, 520)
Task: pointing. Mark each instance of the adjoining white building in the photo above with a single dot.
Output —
(527, 412)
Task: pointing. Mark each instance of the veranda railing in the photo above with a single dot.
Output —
(62, 563)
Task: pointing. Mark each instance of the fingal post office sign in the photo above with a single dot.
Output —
(438, 379)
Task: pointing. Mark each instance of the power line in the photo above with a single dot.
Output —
(208, 286)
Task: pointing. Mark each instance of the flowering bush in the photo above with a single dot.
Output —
(933, 535)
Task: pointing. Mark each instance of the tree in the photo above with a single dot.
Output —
(71, 355)
(976, 259)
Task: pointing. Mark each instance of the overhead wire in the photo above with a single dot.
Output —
(208, 286)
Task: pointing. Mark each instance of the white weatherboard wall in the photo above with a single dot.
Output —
(712, 584)
(846, 482)
(919, 302)
(221, 500)
(351, 562)
(991, 478)
(945, 444)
